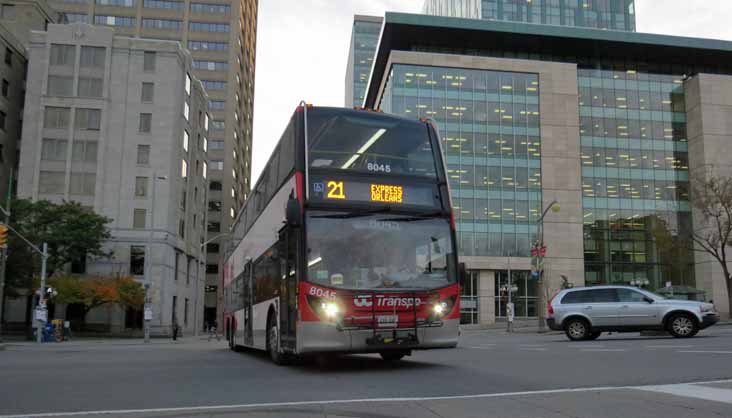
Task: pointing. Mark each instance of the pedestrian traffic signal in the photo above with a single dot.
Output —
(3, 236)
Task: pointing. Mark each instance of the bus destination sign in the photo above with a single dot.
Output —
(339, 190)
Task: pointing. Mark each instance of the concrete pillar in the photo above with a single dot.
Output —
(486, 297)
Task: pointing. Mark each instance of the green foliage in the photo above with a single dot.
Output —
(92, 292)
(71, 231)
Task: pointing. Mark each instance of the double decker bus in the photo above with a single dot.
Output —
(347, 242)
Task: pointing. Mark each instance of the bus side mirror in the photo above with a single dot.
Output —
(462, 272)
(293, 214)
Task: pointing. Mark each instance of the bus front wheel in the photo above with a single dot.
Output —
(392, 355)
(272, 342)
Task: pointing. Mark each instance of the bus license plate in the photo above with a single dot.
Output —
(387, 321)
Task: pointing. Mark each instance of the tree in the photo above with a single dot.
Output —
(712, 197)
(72, 232)
(93, 292)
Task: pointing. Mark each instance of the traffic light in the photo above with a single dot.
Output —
(3, 236)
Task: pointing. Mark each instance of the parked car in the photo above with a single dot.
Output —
(584, 313)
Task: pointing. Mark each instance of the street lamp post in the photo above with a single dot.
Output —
(538, 252)
(147, 312)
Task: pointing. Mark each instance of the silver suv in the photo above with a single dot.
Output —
(585, 312)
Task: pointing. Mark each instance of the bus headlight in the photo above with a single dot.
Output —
(439, 309)
(330, 309)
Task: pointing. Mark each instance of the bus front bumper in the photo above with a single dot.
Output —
(315, 337)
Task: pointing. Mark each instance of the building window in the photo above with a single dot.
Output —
(6, 88)
(185, 313)
(159, 4)
(186, 110)
(212, 268)
(51, 182)
(215, 185)
(140, 186)
(118, 3)
(214, 227)
(210, 8)
(205, 170)
(211, 65)
(139, 219)
(143, 154)
(165, 24)
(148, 63)
(56, 117)
(205, 122)
(204, 144)
(137, 260)
(82, 184)
(92, 57)
(185, 140)
(188, 84)
(7, 11)
(3, 116)
(217, 164)
(63, 55)
(214, 206)
(60, 86)
(208, 27)
(182, 228)
(148, 92)
(145, 122)
(212, 248)
(232, 213)
(9, 57)
(217, 104)
(114, 20)
(77, 17)
(216, 144)
(85, 151)
(217, 125)
(208, 46)
(54, 149)
(183, 169)
(90, 87)
(88, 119)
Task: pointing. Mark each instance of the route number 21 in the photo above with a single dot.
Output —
(335, 190)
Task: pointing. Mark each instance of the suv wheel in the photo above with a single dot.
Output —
(682, 326)
(577, 329)
(594, 335)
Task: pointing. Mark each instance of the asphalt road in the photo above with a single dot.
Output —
(502, 375)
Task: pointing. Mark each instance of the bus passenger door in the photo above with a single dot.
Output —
(248, 301)
(288, 286)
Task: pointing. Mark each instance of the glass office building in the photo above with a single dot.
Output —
(364, 38)
(608, 123)
(598, 14)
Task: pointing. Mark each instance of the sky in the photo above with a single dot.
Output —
(302, 49)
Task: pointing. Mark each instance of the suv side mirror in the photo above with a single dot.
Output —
(293, 213)
(647, 299)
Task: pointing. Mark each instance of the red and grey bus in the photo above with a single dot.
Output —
(346, 243)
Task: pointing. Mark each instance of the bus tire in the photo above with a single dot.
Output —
(272, 338)
(392, 356)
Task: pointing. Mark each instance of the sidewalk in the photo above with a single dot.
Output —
(86, 342)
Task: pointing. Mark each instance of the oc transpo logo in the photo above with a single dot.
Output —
(365, 301)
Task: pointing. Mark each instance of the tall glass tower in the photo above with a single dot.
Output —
(597, 14)
(364, 38)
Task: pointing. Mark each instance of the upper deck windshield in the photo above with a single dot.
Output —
(379, 251)
(369, 142)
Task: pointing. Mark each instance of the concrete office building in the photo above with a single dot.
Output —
(119, 125)
(598, 14)
(221, 37)
(614, 125)
(17, 19)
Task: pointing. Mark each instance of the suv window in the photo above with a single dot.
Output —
(590, 296)
(627, 295)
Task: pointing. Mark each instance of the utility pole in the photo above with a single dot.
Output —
(509, 305)
(539, 251)
(41, 312)
(4, 255)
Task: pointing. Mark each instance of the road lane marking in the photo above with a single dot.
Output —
(532, 345)
(694, 391)
(532, 349)
(481, 348)
(603, 349)
(669, 346)
(587, 346)
(704, 351)
(348, 401)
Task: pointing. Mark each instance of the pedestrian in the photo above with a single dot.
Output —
(176, 328)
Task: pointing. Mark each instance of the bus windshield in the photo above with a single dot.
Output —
(379, 251)
(369, 142)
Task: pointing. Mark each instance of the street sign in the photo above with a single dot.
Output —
(148, 312)
(41, 315)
